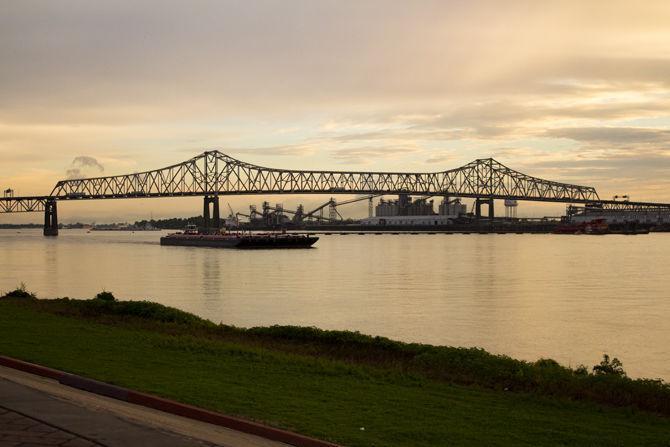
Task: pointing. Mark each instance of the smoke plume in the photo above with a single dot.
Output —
(80, 165)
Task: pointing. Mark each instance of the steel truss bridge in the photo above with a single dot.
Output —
(213, 173)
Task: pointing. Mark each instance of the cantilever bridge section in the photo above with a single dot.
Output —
(216, 173)
(213, 173)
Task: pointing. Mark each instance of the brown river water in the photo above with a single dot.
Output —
(571, 298)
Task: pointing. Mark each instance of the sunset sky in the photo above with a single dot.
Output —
(570, 91)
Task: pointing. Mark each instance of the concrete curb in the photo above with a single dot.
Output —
(165, 405)
(31, 368)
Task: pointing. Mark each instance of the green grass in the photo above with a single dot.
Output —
(324, 384)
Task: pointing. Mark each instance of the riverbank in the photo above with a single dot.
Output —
(338, 386)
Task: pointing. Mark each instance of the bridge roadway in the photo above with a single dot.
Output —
(213, 173)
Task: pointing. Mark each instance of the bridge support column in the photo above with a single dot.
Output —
(478, 208)
(212, 221)
(50, 218)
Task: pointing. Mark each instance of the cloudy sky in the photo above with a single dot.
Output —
(570, 91)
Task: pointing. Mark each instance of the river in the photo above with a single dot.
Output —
(571, 298)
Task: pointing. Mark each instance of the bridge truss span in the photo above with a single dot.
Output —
(214, 173)
(22, 204)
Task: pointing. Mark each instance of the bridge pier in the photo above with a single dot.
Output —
(213, 220)
(478, 207)
(50, 218)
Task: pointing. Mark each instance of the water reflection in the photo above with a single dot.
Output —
(567, 297)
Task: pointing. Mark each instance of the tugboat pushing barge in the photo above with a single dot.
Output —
(191, 237)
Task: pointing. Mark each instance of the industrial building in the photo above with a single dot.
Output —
(404, 206)
(419, 212)
(452, 208)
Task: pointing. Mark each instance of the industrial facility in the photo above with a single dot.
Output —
(405, 210)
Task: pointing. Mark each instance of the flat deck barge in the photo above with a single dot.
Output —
(240, 240)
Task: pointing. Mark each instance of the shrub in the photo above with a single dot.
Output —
(609, 367)
(154, 311)
(105, 296)
(547, 363)
(20, 292)
(581, 370)
(104, 303)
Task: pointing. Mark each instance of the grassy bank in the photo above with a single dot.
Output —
(340, 386)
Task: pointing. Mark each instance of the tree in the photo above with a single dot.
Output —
(609, 367)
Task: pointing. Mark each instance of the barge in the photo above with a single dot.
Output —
(597, 226)
(192, 238)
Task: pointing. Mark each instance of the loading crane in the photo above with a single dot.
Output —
(332, 204)
(233, 216)
(253, 212)
(312, 213)
(277, 209)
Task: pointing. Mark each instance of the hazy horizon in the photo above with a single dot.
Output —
(577, 92)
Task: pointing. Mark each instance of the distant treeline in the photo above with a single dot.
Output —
(39, 225)
(15, 226)
(174, 223)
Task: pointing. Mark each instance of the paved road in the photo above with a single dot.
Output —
(35, 411)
